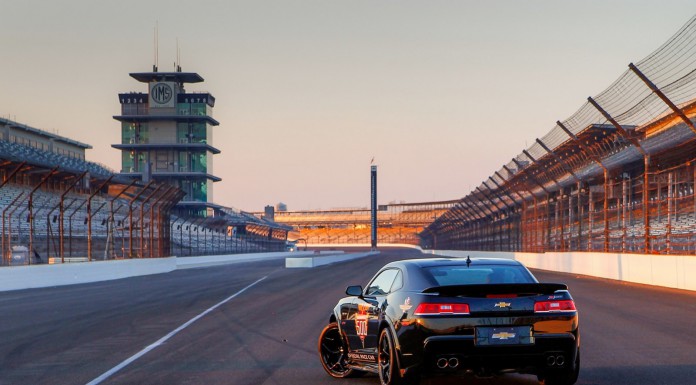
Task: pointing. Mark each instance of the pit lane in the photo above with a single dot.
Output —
(631, 334)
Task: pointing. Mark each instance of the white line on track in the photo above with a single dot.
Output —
(162, 340)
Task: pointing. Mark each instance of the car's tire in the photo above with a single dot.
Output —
(333, 352)
(566, 377)
(388, 365)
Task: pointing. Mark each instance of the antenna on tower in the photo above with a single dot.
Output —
(154, 66)
(177, 65)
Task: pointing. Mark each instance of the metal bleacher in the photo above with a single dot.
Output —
(107, 216)
(19, 153)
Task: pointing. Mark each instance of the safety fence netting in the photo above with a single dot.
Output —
(616, 176)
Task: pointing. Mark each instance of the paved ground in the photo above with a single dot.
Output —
(631, 334)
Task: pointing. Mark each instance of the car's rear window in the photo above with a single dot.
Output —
(480, 274)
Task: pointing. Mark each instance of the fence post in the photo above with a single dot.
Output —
(89, 217)
(130, 218)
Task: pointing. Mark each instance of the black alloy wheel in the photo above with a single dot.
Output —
(388, 364)
(332, 352)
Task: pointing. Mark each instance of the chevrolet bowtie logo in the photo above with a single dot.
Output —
(503, 335)
(503, 305)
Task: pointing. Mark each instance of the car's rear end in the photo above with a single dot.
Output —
(489, 328)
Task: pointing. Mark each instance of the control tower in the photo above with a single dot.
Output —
(167, 136)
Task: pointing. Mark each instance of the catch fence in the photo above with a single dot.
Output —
(54, 216)
(616, 176)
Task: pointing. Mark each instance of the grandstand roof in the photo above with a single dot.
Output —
(21, 153)
(55, 137)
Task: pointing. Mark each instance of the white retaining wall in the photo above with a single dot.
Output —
(354, 245)
(675, 271)
(36, 276)
(213, 260)
(320, 260)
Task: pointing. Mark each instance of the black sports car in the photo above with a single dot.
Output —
(448, 316)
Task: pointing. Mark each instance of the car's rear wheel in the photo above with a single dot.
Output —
(566, 377)
(332, 352)
(389, 365)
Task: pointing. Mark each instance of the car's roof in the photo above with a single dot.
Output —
(416, 279)
(431, 262)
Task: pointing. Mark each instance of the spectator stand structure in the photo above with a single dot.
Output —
(227, 231)
(398, 223)
(616, 176)
(59, 208)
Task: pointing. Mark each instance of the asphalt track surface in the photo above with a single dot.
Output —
(631, 334)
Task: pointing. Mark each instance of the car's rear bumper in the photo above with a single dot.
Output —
(540, 356)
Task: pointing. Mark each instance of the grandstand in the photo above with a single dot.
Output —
(617, 176)
(227, 231)
(398, 223)
(58, 207)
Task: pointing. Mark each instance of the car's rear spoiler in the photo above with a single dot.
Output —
(521, 289)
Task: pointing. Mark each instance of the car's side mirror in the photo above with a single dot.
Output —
(354, 291)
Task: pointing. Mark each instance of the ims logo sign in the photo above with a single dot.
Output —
(162, 94)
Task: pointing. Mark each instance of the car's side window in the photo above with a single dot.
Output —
(398, 282)
(382, 282)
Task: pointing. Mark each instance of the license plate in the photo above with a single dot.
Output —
(515, 335)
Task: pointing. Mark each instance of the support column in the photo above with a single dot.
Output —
(518, 239)
(511, 210)
(579, 198)
(606, 211)
(130, 219)
(89, 217)
(670, 208)
(624, 204)
(570, 195)
(646, 203)
(500, 220)
(646, 167)
(590, 220)
(31, 213)
(536, 203)
(606, 181)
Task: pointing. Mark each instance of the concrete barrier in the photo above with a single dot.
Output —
(53, 261)
(36, 276)
(320, 260)
(215, 260)
(675, 271)
(359, 245)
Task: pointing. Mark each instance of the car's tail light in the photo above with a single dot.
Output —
(565, 305)
(442, 309)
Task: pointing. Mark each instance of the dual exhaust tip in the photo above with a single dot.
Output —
(558, 360)
(453, 362)
(444, 363)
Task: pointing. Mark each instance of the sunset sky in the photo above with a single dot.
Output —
(440, 93)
